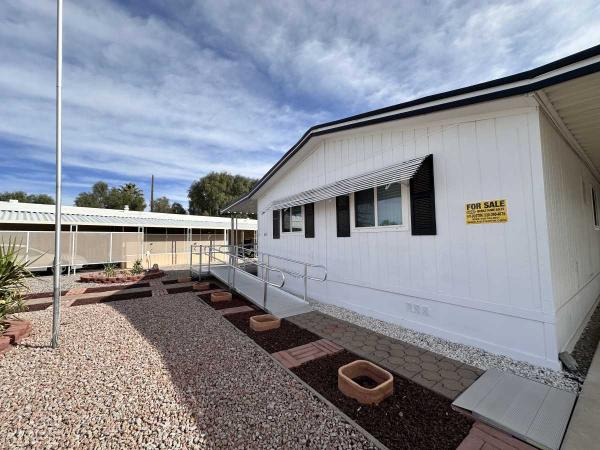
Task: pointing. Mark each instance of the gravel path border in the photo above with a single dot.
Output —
(461, 352)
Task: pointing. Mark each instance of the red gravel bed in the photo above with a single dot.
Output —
(235, 301)
(112, 298)
(412, 418)
(115, 288)
(35, 295)
(37, 306)
(285, 337)
(179, 290)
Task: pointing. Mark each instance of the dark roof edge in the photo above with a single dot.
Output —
(532, 73)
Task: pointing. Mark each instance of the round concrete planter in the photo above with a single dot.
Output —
(202, 286)
(216, 297)
(366, 396)
(264, 322)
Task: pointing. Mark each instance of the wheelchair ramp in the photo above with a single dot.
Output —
(530, 411)
(279, 302)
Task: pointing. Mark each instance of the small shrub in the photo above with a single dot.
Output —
(13, 272)
(110, 270)
(137, 267)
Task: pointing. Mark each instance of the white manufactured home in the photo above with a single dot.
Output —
(473, 215)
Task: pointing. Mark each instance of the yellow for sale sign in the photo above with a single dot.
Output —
(490, 211)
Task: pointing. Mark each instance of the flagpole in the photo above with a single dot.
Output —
(57, 212)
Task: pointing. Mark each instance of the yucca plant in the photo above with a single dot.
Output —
(13, 272)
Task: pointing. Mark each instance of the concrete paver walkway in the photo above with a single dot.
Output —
(443, 375)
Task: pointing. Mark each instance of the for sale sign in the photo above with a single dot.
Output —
(489, 211)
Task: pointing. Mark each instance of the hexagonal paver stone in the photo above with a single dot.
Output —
(430, 357)
(395, 351)
(380, 354)
(467, 373)
(452, 385)
(430, 367)
(412, 367)
(448, 364)
(413, 351)
(449, 375)
(412, 359)
(368, 349)
(431, 376)
(418, 378)
(383, 347)
(395, 361)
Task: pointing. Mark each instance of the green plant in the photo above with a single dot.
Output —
(13, 272)
(137, 267)
(110, 270)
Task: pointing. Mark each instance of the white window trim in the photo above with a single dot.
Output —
(383, 228)
(286, 233)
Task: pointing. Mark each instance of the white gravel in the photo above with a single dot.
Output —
(162, 372)
(461, 352)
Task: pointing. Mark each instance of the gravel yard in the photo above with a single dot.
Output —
(160, 372)
(461, 352)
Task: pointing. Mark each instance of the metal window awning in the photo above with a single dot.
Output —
(395, 173)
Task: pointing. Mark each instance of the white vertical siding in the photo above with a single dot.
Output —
(473, 278)
(574, 241)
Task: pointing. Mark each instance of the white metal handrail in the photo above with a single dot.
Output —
(212, 253)
(239, 252)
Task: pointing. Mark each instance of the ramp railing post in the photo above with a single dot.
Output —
(265, 294)
(200, 265)
(233, 275)
(305, 283)
(209, 256)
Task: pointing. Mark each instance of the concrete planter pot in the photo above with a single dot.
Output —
(366, 396)
(202, 286)
(264, 322)
(216, 297)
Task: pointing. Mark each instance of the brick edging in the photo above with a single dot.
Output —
(16, 331)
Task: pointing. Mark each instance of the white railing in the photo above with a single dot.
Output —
(240, 257)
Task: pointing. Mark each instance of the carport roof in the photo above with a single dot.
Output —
(28, 213)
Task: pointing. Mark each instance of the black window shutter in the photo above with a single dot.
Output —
(309, 220)
(422, 200)
(276, 227)
(342, 213)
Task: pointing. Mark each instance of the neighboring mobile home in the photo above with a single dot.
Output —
(92, 236)
(473, 215)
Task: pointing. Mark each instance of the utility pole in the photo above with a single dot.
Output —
(57, 211)
(152, 194)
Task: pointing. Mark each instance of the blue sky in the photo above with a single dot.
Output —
(180, 88)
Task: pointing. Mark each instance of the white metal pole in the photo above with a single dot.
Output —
(57, 212)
